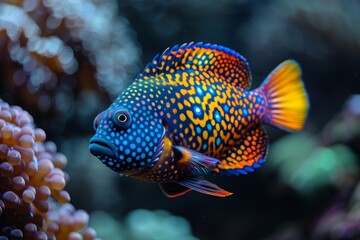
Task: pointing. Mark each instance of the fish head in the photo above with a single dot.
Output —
(129, 137)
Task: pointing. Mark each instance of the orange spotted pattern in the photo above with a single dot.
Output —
(199, 93)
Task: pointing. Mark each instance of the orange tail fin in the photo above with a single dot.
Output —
(286, 96)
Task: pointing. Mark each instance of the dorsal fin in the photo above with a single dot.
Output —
(224, 62)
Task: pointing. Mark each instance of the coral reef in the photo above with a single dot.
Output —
(34, 204)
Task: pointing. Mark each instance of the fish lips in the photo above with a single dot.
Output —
(100, 146)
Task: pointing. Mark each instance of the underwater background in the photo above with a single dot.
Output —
(64, 61)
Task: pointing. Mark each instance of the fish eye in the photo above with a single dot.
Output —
(122, 118)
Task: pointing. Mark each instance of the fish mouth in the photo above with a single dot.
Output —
(99, 146)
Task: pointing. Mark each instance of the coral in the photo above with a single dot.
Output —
(34, 204)
(315, 167)
(107, 226)
(328, 160)
(144, 224)
(54, 51)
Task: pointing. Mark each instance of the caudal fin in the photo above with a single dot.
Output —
(286, 96)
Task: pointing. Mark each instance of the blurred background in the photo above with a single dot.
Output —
(64, 61)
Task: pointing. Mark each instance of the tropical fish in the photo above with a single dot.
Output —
(190, 113)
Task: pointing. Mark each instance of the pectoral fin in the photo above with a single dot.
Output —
(204, 186)
(194, 162)
(173, 189)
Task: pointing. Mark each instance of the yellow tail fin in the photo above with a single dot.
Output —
(286, 96)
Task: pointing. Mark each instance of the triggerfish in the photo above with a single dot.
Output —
(190, 113)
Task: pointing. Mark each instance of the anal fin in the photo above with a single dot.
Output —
(249, 154)
(204, 186)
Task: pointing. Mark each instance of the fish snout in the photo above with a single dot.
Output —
(100, 146)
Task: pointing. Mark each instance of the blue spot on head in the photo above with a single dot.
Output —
(226, 108)
(245, 112)
(127, 151)
(209, 126)
(129, 159)
(204, 146)
(132, 146)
